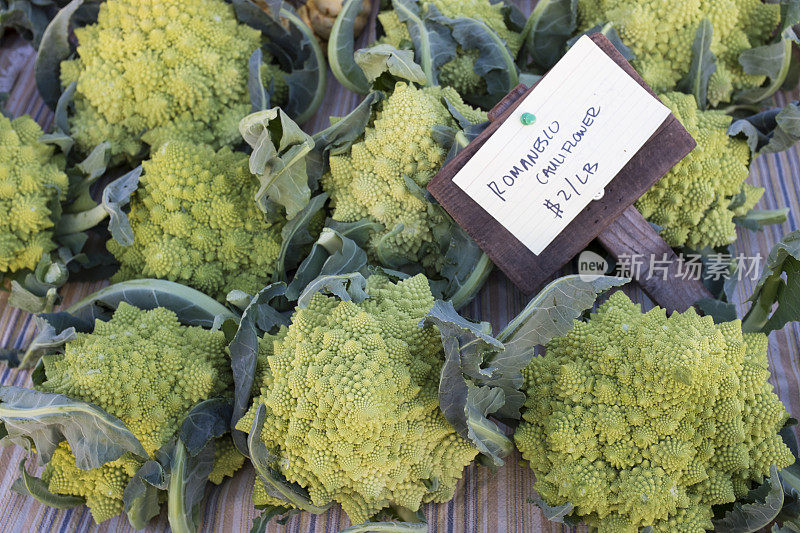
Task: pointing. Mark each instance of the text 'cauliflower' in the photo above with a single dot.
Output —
(642, 420)
(195, 221)
(351, 391)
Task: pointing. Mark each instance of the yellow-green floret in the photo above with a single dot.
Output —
(370, 180)
(458, 73)
(694, 202)
(194, 221)
(642, 420)
(146, 369)
(227, 460)
(149, 71)
(661, 33)
(32, 185)
(351, 395)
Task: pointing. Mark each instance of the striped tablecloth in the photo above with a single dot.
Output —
(484, 501)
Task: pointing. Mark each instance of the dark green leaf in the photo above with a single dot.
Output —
(258, 318)
(278, 159)
(208, 420)
(347, 287)
(471, 387)
(340, 136)
(703, 65)
(265, 465)
(296, 237)
(268, 512)
(717, 309)
(759, 509)
(341, 46)
(550, 26)
(94, 436)
(333, 254)
(772, 60)
(188, 477)
(559, 514)
(29, 485)
(433, 44)
(770, 131)
(54, 49)
(783, 260)
(192, 306)
(141, 498)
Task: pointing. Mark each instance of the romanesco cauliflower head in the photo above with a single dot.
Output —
(351, 396)
(194, 221)
(642, 420)
(661, 32)
(694, 202)
(458, 73)
(370, 180)
(149, 71)
(146, 369)
(32, 185)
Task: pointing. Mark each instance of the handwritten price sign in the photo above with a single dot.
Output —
(591, 119)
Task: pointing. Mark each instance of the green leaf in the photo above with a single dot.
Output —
(288, 38)
(265, 465)
(495, 63)
(296, 237)
(783, 260)
(29, 485)
(759, 509)
(717, 309)
(340, 136)
(55, 48)
(278, 159)
(551, 24)
(466, 267)
(192, 306)
(552, 312)
(385, 58)
(433, 44)
(756, 219)
(341, 46)
(258, 318)
(770, 131)
(560, 514)
(473, 380)
(208, 420)
(703, 65)
(141, 495)
(347, 287)
(268, 512)
(333, 254)
(94, 436)
(116, 195)
(53, 330)
(772, 60)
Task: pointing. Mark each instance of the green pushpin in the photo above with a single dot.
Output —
(527, 119)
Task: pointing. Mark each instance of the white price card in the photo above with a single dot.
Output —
(559, 149)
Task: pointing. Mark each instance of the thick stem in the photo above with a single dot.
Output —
(757, 317)
(78, 222)
(473, 283)
(180, 520)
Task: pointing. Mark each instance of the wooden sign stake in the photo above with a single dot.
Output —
(613, 219)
